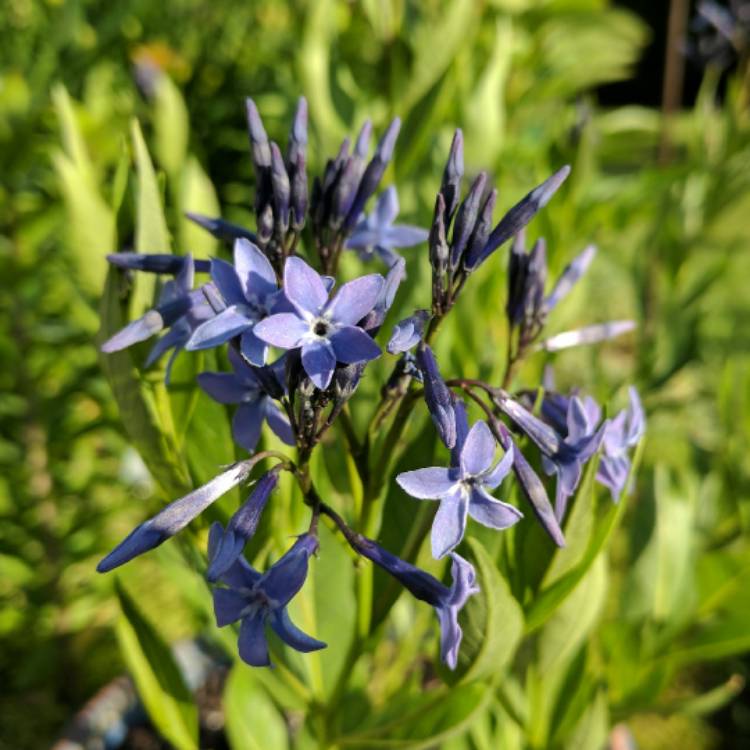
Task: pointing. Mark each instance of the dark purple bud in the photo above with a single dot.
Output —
(226, 548)
(520, 215)
(373, 173)
(156, 263)
(281, 190)
(174, 517)
(299, 193)
(532, 486)
(222, 230)
(452, 175)
(346, 380)
(437, 243)
(437, 395)
(535, 281)
(259, 145)
(481, 229)
(265, 225)
(518, 271)
(466, 219)
(345, 192)
(542, 434)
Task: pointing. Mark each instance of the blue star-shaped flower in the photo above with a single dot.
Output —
(378, 235)
(261, 599)
(244, 387)
(463, 489)
(325, 330)
(250, 292)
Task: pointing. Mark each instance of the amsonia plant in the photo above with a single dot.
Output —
(299, 342)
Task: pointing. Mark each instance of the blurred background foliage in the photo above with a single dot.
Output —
(658, 638)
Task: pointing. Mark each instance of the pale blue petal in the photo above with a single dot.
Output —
(427, 484)
(478, 451)
(285, 330)
(491, 512)
(304, 287)
(355, 299)
(351, 344)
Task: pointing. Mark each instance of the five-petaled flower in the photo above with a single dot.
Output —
(376, 234)
(250, 292)
(261, 599)
(244, 387)
(462, 490)
(325, 330)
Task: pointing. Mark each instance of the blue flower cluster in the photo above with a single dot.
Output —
(298, 345)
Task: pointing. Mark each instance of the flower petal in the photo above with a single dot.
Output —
(319, 362)
(225, 277)
(246, 424)
(427, 484)
(478, 451)
(278, 422)
(253, 645)
(285, 330)
(138, 330)
(491, 512)
(386, 209)
(503, 466)
(286, 577)
(253, 348)
(351, 345)
(303, 287)
(355, 299)
(228, 606)
(405, 235)
(224, 387)
(449, 524)
(292, 635)
(217, 330)
(254, 271)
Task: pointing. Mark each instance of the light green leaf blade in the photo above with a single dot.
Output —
(252, 720)
(492, 623)
(158, 680)
(171, 126)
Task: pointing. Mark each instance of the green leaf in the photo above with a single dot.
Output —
(157, 677)
(570, 565)
(136, 400)
(593, 728)
(455, 27)
(197, 194)
(571, 624)
(492, 623)
(151, 233)
(424, 722)
(171, 126)
(252, 720)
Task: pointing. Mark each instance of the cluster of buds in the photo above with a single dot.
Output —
(298, 346)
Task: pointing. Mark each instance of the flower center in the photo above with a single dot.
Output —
(321, 327)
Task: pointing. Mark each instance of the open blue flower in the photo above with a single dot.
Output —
(378, 235)
(463, 490)
(244, 387)
(259, 600)
(325, 330)
(250, 292)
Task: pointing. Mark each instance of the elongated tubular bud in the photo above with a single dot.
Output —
(466, 218)
(373, 173)
(452, 175)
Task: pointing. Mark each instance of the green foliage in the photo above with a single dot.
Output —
(643, 613)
